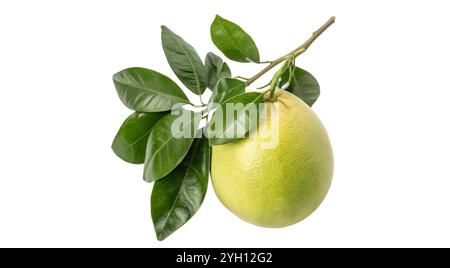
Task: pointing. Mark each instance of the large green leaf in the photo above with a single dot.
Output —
(303, 85)
(225, 89)
(234, 42)
(168, 143)
(145, 90)
(131, 139)
(216, 69)
(184, 61)
(177, 197)
(235, 118)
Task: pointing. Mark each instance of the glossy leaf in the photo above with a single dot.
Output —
(234, 42)
(131, 140)
(168, 143)
(184, 61)
(145, 90)
(235, 118)
(177, 197)
(225, 89)
(303, 85)
(216, 69)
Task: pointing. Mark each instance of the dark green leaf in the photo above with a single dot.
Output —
(184, 61)
(131, 140)
(216, 69)
(235, 118)
(225, 89)
(168, 143)
(303, 85)
(145, 90)
(177, 197)
(234, 42)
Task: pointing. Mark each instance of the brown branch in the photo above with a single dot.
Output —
(295, 53)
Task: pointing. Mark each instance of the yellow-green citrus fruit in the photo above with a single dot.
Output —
(279, 186)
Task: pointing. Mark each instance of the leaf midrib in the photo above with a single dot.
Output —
(232, 41)
(237, 116)
(194, 70)
(194, 151)
(225, 100)
(243, 54)
(153, 91)
(165, 143)
(135, 141)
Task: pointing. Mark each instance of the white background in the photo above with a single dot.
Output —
(384, 75)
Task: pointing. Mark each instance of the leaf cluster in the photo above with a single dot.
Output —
(179, 165)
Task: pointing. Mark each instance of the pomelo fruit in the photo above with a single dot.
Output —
(279, 186)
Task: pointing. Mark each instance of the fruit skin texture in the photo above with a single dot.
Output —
(281, 186)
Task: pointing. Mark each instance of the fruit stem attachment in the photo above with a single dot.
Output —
(295, 53)
(276, 80)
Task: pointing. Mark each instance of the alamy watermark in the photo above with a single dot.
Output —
(234, 121)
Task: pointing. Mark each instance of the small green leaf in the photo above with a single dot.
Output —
(234, 42)
(177, 197)
(184, 61)
(145, 90)
(303, 85)
(168, 143)
(216, 69)
(235, 118)
(131, 140)
(225, 89)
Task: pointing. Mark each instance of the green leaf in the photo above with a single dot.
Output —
(216, 69)
(234, 42)
(184, 61)
(145, 90)
(168, 143)
(235, 118)
(177, 197)
(131, 139)
(227, 88)
(303, 85)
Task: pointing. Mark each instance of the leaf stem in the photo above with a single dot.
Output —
(265, 91)
(262, 87)
(295, 53)
(198, 106)
(241, 78)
